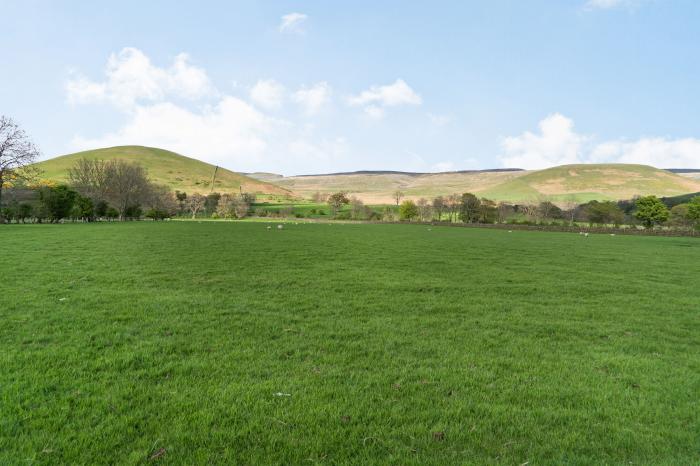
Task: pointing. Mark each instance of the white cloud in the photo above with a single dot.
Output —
(558, 144)
(398, 93)
(313, 99)
(132, 78)
(293, 23)
(268, 93)
(230, 133)
(377, 98)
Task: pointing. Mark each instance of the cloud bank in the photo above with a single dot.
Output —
(557, 143)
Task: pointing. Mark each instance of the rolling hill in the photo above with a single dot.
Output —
(567, 182)
(167, 168)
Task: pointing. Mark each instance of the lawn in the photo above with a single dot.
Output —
(232, 343)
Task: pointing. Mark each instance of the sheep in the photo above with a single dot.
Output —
(279, 227)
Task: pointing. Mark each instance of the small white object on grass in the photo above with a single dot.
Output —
(586, 235)
(61, 299)
(282, 394)
(269, 227)
(279, 227)
(510, 231)
(612, 234)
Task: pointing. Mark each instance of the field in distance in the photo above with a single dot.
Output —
(580, 183)
(167, 168)
(228, 343)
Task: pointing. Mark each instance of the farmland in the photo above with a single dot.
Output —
(228, 342)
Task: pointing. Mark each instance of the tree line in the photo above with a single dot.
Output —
(647, 211)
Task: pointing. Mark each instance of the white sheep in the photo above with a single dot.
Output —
(279, 227)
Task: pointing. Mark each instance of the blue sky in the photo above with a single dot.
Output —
(309, 87)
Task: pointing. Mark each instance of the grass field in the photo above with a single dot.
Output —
(228, 343)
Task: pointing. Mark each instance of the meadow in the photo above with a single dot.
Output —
(231, 343)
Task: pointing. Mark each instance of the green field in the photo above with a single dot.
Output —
(232, 343)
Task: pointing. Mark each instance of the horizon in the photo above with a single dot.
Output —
(479, 86)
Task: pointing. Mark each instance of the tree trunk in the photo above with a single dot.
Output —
(2, 218)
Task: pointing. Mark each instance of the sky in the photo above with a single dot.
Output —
(297, 87)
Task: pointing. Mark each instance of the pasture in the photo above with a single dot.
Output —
(228, 343)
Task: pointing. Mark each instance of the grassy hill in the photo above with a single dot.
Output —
(167, 168)
(567, 182)
(592, 181)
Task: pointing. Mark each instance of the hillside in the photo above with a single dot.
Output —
(568, 182)
(592, 181)
(167, 168)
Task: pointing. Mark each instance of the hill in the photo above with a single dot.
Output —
(567, 182)
(585, 182)
(167, 168)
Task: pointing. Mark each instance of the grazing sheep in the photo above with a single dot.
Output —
(586, 235)
(279, 227)
(269, 227)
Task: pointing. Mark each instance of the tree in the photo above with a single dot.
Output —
(503, 211)
(398, 195)
(337, 200)
(17, 152)
(604, 213)
(470, 208)
(162, 202)
(454, 201)
(57, 200)
(408, 210)
(83, 208)
(127, 186)
(439, 207)
(181, 198)
(195, 203)
(549, 210)
(488, 212)
(358, 209)
(89, 178)
(679, 215)
(651, 211)
(424, 209)
(694, 211)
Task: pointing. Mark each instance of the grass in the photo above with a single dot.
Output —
(167, 168)
(228, 343)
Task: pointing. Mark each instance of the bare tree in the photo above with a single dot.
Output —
(570, 206)
(195, 203)
(127, 185)
(439, 207)
(89, 178)
(424, 209)
(398, 195)
(17, 152)
(453, 202)
(503, 211)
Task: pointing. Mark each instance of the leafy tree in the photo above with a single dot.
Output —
(126, 186)
(694, 211)
(470, 209)
(408, 210)
(337, 200)
(488, 211)
(549, 210)
(603, 213)
(651, 211)
(680, 215)
(101, 209)
(58, 201)
(195, 203)
(83, 207)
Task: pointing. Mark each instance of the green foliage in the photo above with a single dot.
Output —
(121, 339)
(470, 209)
(694, 210)
(604, 213)
(337, 200)
(651, 211)
(57, 200)
(408, 210)
(83, 207)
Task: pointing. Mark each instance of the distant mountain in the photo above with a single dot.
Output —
(568, 182)
(165, 167)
